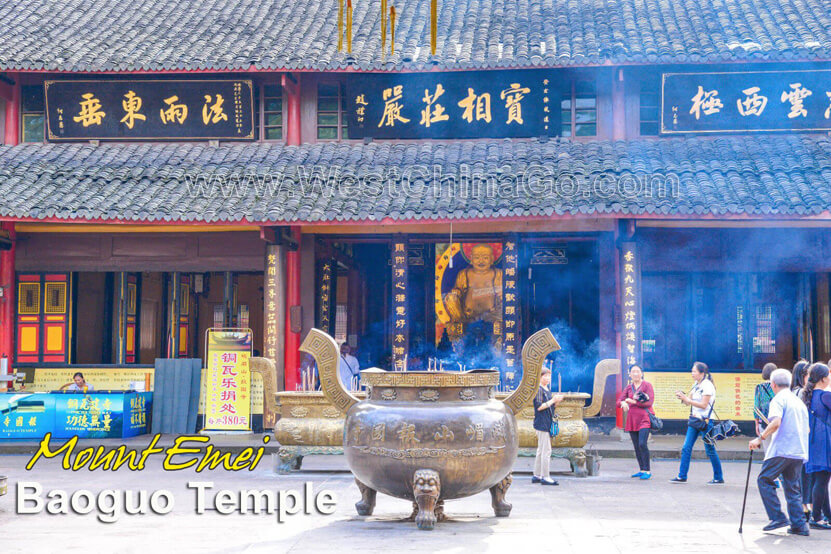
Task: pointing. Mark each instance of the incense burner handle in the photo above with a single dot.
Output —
(324, 350)
(536, 348)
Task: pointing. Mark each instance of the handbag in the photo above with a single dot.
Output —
(720, 431)
(655, 422)
(555, 426)
(555, 423)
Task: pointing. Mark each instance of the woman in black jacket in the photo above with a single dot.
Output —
(544, 404)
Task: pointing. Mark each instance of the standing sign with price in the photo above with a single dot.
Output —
(228, 387)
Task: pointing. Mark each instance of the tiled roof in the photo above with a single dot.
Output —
(154, 35)
(729, 176)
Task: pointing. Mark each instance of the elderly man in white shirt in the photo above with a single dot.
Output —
(788, 449)
(349, 368)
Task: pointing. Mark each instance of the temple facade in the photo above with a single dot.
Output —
(654, 187)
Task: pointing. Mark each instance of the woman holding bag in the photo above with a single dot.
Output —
(636, 402)
(544, 425)
(701, 399)
(817, 398)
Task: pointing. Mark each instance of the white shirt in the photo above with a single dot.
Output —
(698, 392)
(348, 368)
(74, 387)
(791, 439)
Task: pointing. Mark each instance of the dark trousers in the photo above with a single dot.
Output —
(819, 495)
(807, 486)
(639, 439)
(791, 473)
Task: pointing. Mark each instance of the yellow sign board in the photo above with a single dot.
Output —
(734, 394)
(228, 385)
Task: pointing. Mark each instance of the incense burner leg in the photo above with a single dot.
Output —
(498, 492)
(439, 511)
(426, 490)
(290, 460)
(366, 505)
(577, 457)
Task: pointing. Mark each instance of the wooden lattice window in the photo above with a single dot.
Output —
(765, 340)
(132, 293)
(272, 112)
(331, 112)
(578, 111)
(32, 120)
(649, 112)
(28, 299)
(55, 298)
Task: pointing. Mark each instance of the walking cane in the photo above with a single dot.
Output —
(746, 484)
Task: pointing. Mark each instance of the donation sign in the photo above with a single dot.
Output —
(228, 389)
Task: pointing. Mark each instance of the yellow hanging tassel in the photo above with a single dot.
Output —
(383, 27)
(340, 25)
(392, 29)
(434, 8)
(349, 26)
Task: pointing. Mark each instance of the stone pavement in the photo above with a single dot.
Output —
(610, 513)
(661, 446)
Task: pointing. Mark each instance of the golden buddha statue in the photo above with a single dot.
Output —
(476, 295)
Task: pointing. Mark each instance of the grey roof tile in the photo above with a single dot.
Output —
(774, 174)
(168, 35)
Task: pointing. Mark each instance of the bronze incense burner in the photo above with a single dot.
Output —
(430, 436)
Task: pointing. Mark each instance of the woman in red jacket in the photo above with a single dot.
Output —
(636, 402)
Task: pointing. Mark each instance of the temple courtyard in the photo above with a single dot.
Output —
(605, 514)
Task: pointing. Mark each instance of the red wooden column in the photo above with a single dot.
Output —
(294, 319)
(11, 137)
(291, 84)
(11, 134)
(7, 302)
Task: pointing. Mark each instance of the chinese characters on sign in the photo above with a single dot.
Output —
(228, 391)
(734, 399)
(510, 306)
(65, 415)
(149, 109)
(271, 300)
(470, 104)
(102, 415)
(400, 317)
(746, 101)
(24, 416)
(326, 296)
(630, 305)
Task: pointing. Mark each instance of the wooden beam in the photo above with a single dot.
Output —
(736, 224)
(91, 228)
(484, 226)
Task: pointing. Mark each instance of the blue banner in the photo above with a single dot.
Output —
(65, 415)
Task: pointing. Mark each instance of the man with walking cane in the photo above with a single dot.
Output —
(787, 451)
